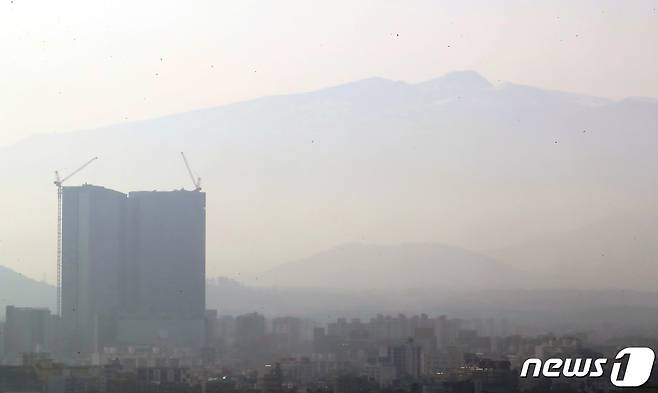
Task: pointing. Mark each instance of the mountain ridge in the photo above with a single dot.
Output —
(290, 174)
(474, 77)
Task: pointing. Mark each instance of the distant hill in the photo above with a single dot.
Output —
(398, 267)
(452, 160)
(21, 291)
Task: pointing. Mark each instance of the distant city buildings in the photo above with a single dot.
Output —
(249, 327)
(26, 330)
(255, 354)
(406, 359)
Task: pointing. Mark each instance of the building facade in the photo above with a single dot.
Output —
(93, 263)
(133, 268)
(166, 249)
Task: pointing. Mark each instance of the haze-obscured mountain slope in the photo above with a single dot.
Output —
(613, 253)
(359, 266)
(453, 160)
(18, 290)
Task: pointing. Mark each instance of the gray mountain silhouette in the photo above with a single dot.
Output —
(453, 160)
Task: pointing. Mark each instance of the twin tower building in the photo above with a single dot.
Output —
(133, 269)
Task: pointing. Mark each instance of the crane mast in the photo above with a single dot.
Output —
(58, 182)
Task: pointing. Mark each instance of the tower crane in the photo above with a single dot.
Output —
(58, 182)
(195, 179)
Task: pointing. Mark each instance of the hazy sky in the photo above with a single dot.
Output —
(74, 64)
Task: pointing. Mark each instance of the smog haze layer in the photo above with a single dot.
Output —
(486, 136)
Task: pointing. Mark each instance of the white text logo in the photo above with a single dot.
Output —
(631, 367)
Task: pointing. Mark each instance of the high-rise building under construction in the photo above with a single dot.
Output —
(133, 267)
